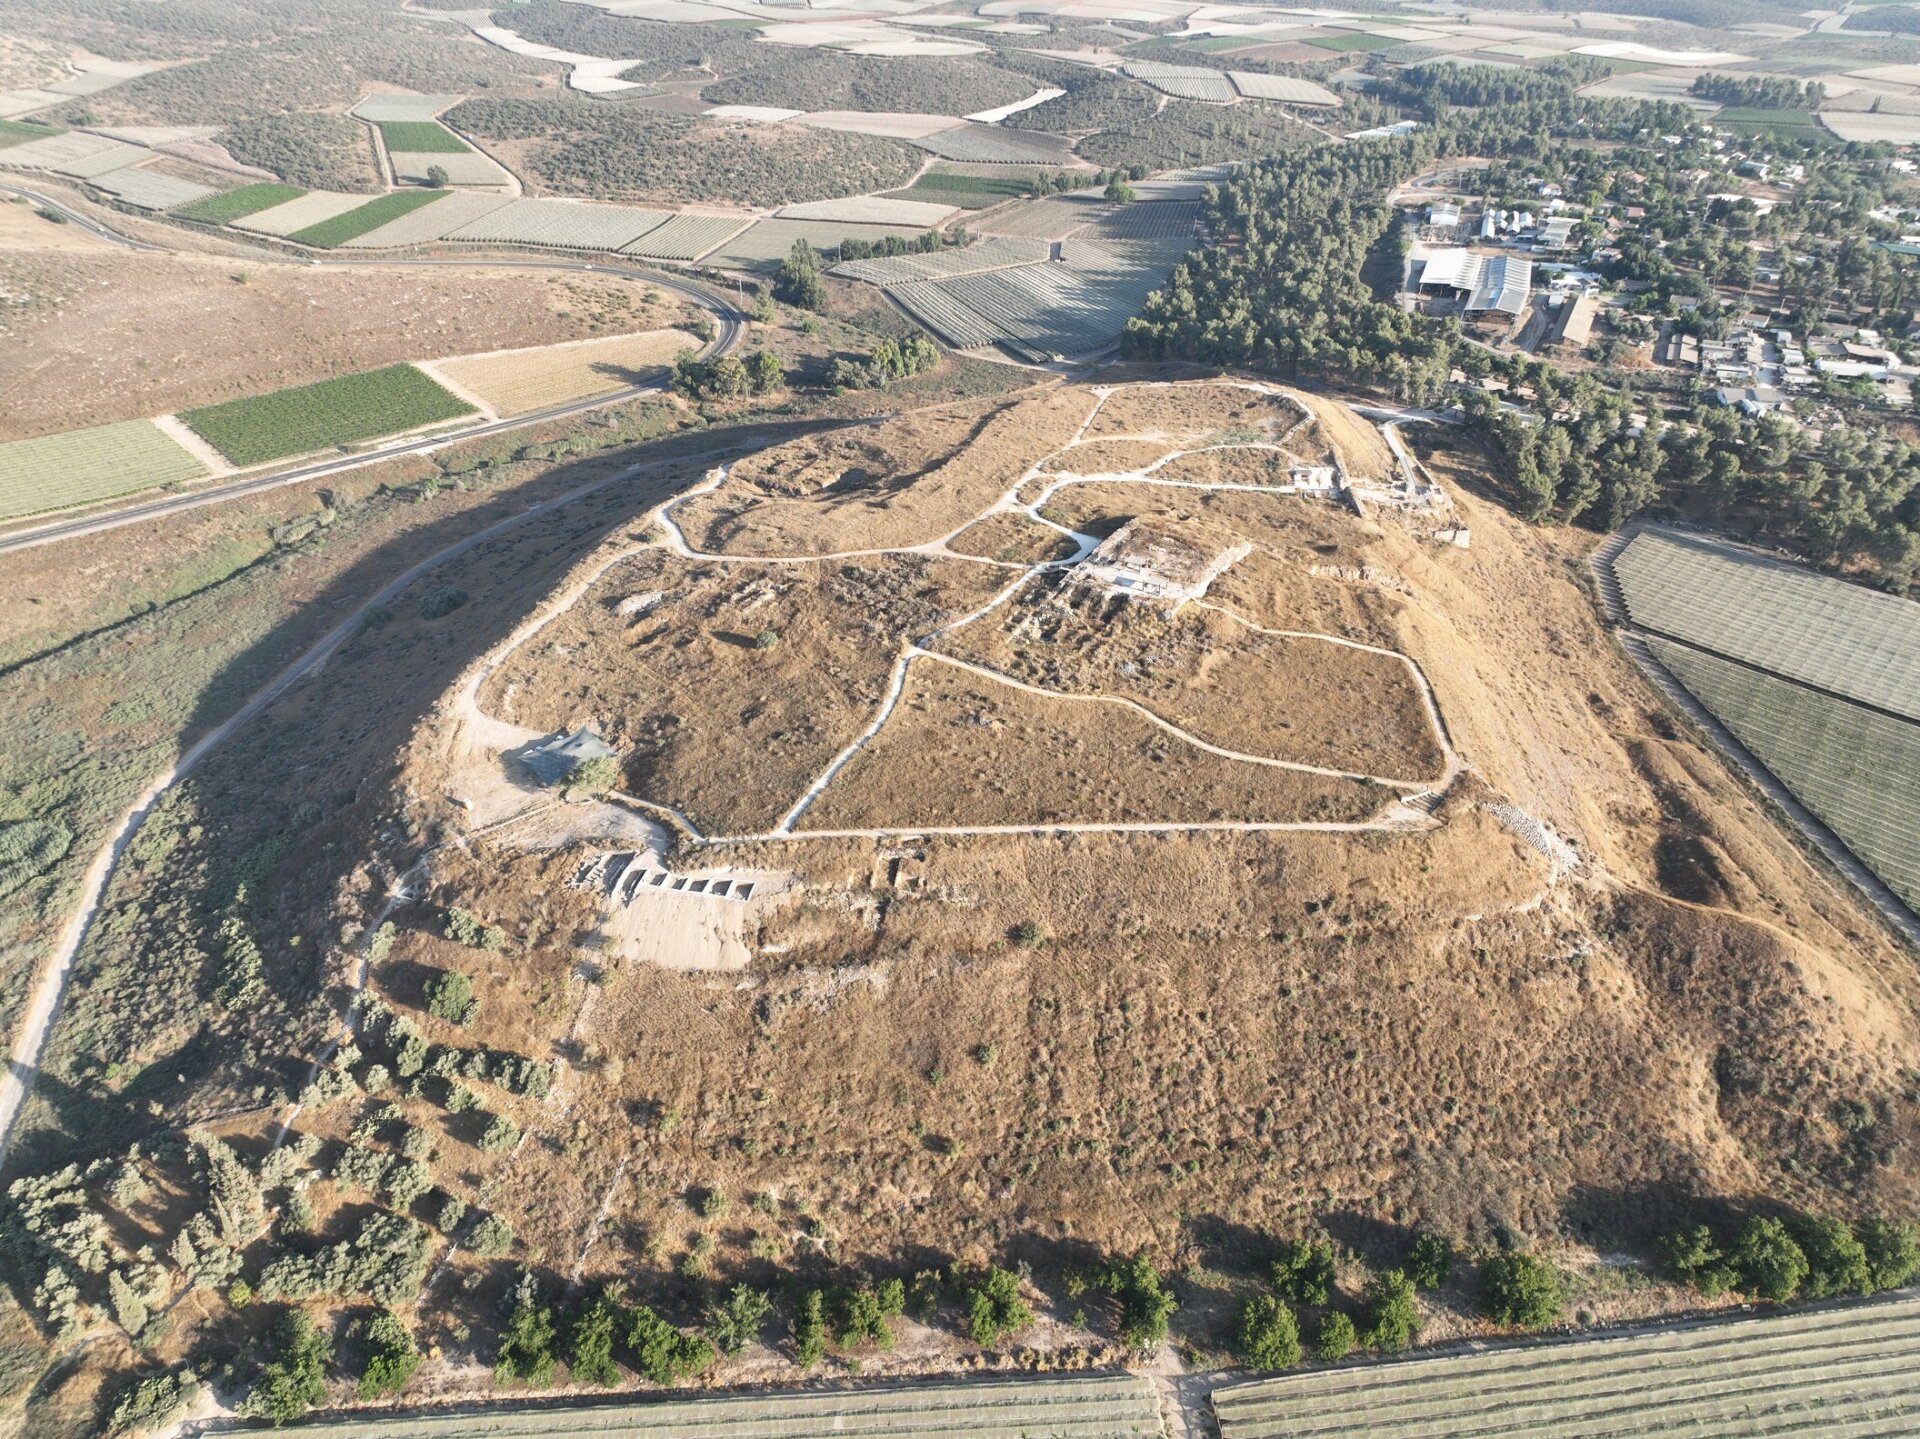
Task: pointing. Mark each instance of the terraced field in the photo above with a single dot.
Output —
(1821, 1373)
(80, 466)
(307, 418)
(1118, 1406)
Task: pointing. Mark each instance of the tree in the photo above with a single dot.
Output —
(1893, 1251)
(666, 1356)
(1769, 1264)
(1334, 1340)
(1304, 1271)
(392, 1356)
(1391, 1316)
(295, 1379)
(129, 1308)
(464, 927)
(1145, 1303)
(596, 775)
(590, 1339)
(450, 997)
(1118, 190)
(152, 1402)
(500, 1135)
(1267, 1336)
(1429, 1260)
(526, 1345)
(1836, 1260)
(236, 1205)
(810, 1329)
(860, 1317)
(437, 177)
(1693, 1257)
(798, 281)
(736, 1323)
(764, 372)
(491, 1237)
(1523, 1291)
(995, 1309)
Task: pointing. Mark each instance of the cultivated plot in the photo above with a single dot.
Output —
(366, 218)
(237, 205)
(469, 167)
(80, 466)
(307, 209)
(687, 237)
(151, 189)
(314, 417)
(436, 221)
(771, 241)
(563, 224)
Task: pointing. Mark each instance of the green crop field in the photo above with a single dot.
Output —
(238, 204)
(1753, 121)
(1112, 1406)
(81, 466)
(318, 416)
(419, 137)
(366, 218)
(1810, 1374)
(1353, 42)
(18, 132)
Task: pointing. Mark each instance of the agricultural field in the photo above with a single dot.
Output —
(237, 205)
(420, 136)
(865, 210)
(325, 414)
(1113, 1406)
(1817, 678)
(1838, 1371)
(404, 108)
(467, 168)
(687, 236)
(432, 222)
(521, 381)
(338, 229)
(18, 132)
(771, 241)
(82, 466)
(146, 189)
(1184, 82)
(562, 224)
(987, 254)
(966, 192)
(991, 144)
(812, 79)
(306, 209)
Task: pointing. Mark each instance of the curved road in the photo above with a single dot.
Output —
(728, 326)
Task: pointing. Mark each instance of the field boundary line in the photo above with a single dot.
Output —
(431, 369)
(188, 439)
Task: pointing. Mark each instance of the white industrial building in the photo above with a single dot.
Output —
(1491, 283)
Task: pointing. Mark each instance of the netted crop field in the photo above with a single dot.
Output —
(307, 208)
(1053, 218)
(59, 151)
(299, 421)
(687, 237)
(469, 167)
(870, 210)
(1186, 82)
(102, 162)
(419, 227)
(1830, 1372)
(364, 219)
(945, 313)
(1827, 633)
(1284, 88)
(989, 254)
(236, 205)
(19, 132)
(990, 144)
(1150, 220)
(521, 381)
(1855, 768)
(81, 466)
(403, 107)
(151, 189)
(564, 225)
(1116, 1406)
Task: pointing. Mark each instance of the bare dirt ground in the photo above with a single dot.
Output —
(24, 228)
(724, 731)
(1191, 414)
(96, 338)
(965, 750)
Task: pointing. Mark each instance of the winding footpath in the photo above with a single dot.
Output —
(729, 326)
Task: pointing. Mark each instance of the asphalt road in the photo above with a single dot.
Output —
(728, 325)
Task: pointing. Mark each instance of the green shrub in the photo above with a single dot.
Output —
(1694, 1257)
(1266, 1336)
(1523, 1291)
(491, 1237)
(995, 1309)
(1304, 1271)
(441, 600)
(590, 1340)
(736, 1323)
(392, 1356)
(152, 1402)
(501, 1135)
(1893, 1251)
(1391, 1317)
(526, 1344)
(1836, 1260)
(450, 997)
(1429, 1260)
(295, 1378)
(810, 1329)
(665, 1355)
(1335, 1338)
(464, 927)
(1145, 1303)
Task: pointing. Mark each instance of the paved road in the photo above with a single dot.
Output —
(728, 321)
